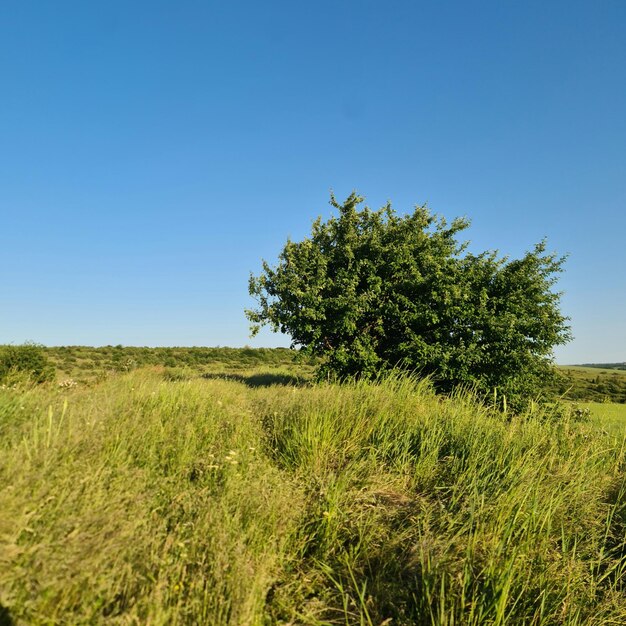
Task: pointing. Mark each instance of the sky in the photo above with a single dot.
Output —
(152, 153)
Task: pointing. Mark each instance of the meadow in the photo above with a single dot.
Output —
(607, 415)
(591, 384)
(240, 492)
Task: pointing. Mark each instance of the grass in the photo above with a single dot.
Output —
(88, 364)
(591, 384)
(160, 496)
(595, 371)
(607, 415)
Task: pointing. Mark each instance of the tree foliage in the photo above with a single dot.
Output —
(372, 290)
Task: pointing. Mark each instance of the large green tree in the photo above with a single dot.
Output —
(373, 290)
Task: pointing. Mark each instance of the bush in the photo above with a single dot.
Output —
(26, 359)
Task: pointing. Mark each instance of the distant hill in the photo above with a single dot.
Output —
(599, 382)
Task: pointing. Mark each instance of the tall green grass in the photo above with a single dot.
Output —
(152, 499)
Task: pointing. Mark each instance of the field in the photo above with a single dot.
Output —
(86, 364)
(607, 415)
(591, 384)
(235, 494)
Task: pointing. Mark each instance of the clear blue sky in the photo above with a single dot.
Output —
(151, 153)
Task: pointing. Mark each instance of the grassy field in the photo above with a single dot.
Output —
(591, 384)
(607, 415)
(595, 371)
(166, 496)
(86, 364)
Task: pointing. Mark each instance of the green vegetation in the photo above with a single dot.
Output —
(168, 495)
(590, 384)
(607, 415)
(371, 291)
(608, 366)
(24, 361)
(88, 364)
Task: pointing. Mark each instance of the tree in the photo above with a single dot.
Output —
(373, 290)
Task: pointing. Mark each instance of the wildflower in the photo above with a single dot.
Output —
(67, 384)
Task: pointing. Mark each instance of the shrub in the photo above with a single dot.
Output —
(26, 359)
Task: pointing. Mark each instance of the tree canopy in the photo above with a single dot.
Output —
(370, 290)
